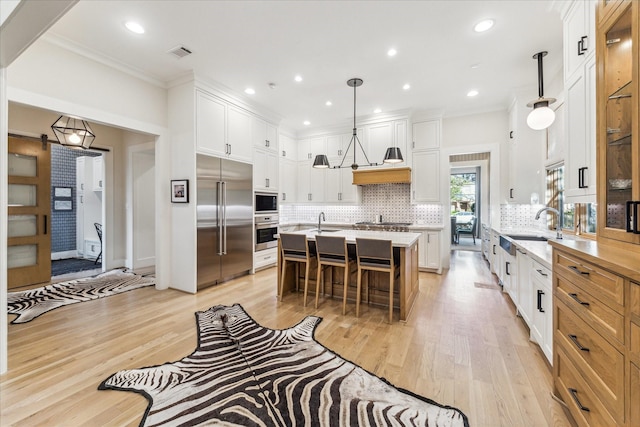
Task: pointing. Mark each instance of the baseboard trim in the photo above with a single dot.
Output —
(64, 255)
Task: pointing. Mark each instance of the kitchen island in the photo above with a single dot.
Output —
(405, 249)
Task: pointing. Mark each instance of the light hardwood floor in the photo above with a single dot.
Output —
(462, 346)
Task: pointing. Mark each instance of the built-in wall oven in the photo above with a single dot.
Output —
(266, 203)
(266, 227)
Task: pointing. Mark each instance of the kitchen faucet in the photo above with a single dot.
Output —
(321, 216)
(558, 228)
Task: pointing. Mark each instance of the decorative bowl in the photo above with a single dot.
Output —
(620, 184)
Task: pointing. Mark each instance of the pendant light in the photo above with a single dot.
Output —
(542, 116)
(393, 154)
(73, 132)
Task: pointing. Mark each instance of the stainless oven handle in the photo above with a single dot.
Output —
(219, 215)
(224, 216)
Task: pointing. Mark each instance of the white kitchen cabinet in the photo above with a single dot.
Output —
(429, 256)
(381, 136)
(335, 147)
(288, 180)
(311, 183)
(265, 169)
(580, 129)
(525, 148)
(426, 176)
(288, 147)
(80, 184)
(494, 247)
(525, 289)
(509, 275)
(265, 258)
(339, 186)
(239, 134)
(88, 205)
(426, 135)
(308, 148)
(264, 135)
(98, 173)
(211, 117)
(542, 325)
(579, 41)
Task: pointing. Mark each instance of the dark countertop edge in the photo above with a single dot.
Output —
(615, 259)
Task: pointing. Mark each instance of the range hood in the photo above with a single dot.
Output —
(382, 176)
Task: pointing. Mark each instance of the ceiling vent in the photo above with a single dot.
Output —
(180, 51)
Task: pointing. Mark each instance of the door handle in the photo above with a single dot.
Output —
(581, 176)
(494, 250)
(507, 268)
(577, 270)
(574, 393)
(540, 293)
(632, 216)
(511, 193)
(45, 225)
(541, 273)
(574, 338)
(582, 45)
(219, 215)
(575, 297)
(224, 216)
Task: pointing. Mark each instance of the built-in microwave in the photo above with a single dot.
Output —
(266, 203)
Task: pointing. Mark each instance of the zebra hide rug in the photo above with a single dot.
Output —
(242, 373)
(32, 303)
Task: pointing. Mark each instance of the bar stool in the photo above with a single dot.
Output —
(295, 248)
(332, 252)
(375, 255)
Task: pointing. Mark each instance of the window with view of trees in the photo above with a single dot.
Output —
(574, 217)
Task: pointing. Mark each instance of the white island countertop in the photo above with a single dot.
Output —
(398, 238)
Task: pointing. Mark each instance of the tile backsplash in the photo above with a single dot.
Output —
(392, 201)
(515, 216)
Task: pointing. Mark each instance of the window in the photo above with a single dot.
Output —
(575, 218)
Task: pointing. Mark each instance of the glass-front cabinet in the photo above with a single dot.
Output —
(618, 148)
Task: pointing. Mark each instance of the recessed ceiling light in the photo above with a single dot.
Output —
(392, 52)
(134, 27)
(328, 103)
(406, 86)
(377, 110)
(472, 93)
(306, 123)
(250, 91)
(483, 25)
(298, 78)
(474, 66)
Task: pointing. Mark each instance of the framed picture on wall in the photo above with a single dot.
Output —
(180, 191)
(62, 205)
(62, 192)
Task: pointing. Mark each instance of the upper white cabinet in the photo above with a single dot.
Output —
(381, 136)
(426, 176)
(222, 129)
(211, 117)
(580, 94)
(264, 135)
(525, 156)
(239, 134)
(311, 183)
(288, 147)
(98, 173)
(265, 170)
(579, 35)
(288, 183)
(339, 186)
(426, 135)
(309, 147)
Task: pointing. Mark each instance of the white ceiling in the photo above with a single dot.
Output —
(254, 43)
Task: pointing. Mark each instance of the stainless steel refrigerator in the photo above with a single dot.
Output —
(225, 219)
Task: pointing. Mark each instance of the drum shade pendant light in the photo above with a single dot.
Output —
(542, 116)
(393, 154)
(73, 132)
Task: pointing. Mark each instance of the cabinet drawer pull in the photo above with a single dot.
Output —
(540, 293)
(575, 297)
(577, 270)
(574, 338)
(540, 271)
(574, 393)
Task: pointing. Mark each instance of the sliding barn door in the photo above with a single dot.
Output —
(29, 242)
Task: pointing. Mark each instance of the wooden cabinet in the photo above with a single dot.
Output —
(618, 110)
(429, 250)
(288, 182)
(265, 169)
(426, 176)
(596, 309)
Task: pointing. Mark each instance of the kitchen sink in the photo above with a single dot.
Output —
(527, 237)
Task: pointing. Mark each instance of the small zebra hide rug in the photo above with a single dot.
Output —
(244, 374)
(32, 303)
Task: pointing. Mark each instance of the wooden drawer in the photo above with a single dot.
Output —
(607, 287)
(634, 343)
(634, 296)
(575, 392)
(601, 365)
(634, 396)
(601, 317)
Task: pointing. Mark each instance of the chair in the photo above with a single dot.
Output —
(454, 230)
(332, 252)
(295, 248)
(99, 231)
(470, 229)
(375, 255)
